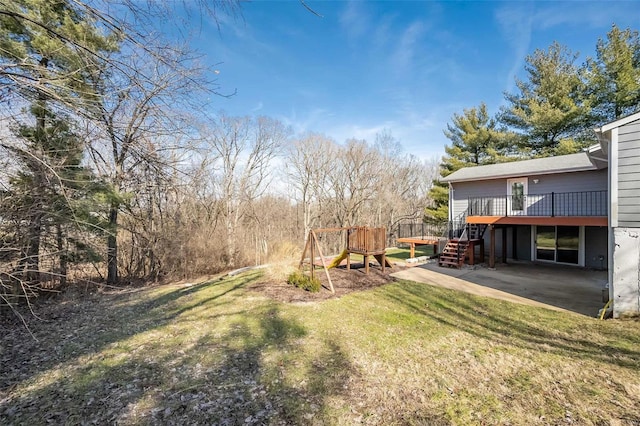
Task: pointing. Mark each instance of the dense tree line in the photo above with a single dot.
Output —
(107, 176)
(553, 111)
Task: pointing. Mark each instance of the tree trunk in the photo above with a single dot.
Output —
(112, 245)
(32, 254)
(231, 243)
(62, 256)
(306, 220)
(34, 231)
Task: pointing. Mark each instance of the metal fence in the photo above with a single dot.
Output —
(586, 203)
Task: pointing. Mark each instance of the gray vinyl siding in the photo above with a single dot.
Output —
(629, 129)
(523, 242)
(629, 175)
(630, 185)
(595, 245)
(593, 180)
(464, 190)
(629, 220)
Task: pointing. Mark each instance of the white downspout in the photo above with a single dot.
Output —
(612, 205)
(451, 191)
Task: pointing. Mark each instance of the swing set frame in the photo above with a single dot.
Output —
(361, 240)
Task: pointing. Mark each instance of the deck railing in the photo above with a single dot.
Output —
(420, 229)
(586, 203)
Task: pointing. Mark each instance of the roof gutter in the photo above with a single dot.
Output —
(511, 175)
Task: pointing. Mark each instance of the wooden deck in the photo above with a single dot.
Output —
(427, 240)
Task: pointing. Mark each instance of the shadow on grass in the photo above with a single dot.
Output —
(244, 365)
(103, 320)
(81, 328)
(520, 326)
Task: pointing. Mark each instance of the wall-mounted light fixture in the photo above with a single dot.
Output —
(536, 181)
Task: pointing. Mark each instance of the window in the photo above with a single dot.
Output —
(558, 244)
(517, 197)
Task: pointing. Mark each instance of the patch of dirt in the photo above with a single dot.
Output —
(344, 282)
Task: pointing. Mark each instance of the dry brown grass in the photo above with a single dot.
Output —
(403, 353)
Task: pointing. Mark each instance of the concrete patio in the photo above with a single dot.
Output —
(551, 286)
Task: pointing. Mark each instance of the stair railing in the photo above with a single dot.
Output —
(456, 227)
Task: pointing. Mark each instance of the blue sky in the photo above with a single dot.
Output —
(407, 67)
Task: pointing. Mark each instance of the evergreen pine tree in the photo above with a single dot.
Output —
(475, 140)
(614, 76)
(550, 106)
(48, 49)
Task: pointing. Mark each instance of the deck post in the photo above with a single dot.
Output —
(504, 244)
(492, 247)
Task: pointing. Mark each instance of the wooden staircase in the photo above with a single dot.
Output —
(457, 249)
(454, 253)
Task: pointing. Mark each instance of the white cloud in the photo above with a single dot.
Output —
(555, 14)
(516, 22)
(258, 107)
(403, 57)
(355, 20)
(418, 135)
(312, 121)
(359, 131)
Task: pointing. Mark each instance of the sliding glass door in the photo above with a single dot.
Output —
(558, 244)
(546, 243)
(568, 239)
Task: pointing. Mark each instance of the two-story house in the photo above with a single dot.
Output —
(580, 209)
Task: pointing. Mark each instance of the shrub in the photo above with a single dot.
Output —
(300, 280)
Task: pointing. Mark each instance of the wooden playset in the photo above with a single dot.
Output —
(360, 240)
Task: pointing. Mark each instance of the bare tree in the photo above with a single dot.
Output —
(75, 60)
(123, 23)
(357, 184)
(139, 118)
(403, 188)
(354, 181)
(244, 149)
(308, 166)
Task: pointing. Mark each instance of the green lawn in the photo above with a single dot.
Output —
(405, 353)
(403, 253)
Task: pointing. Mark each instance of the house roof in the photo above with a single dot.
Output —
(539, 166)
(594, 158)
(618, 123)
